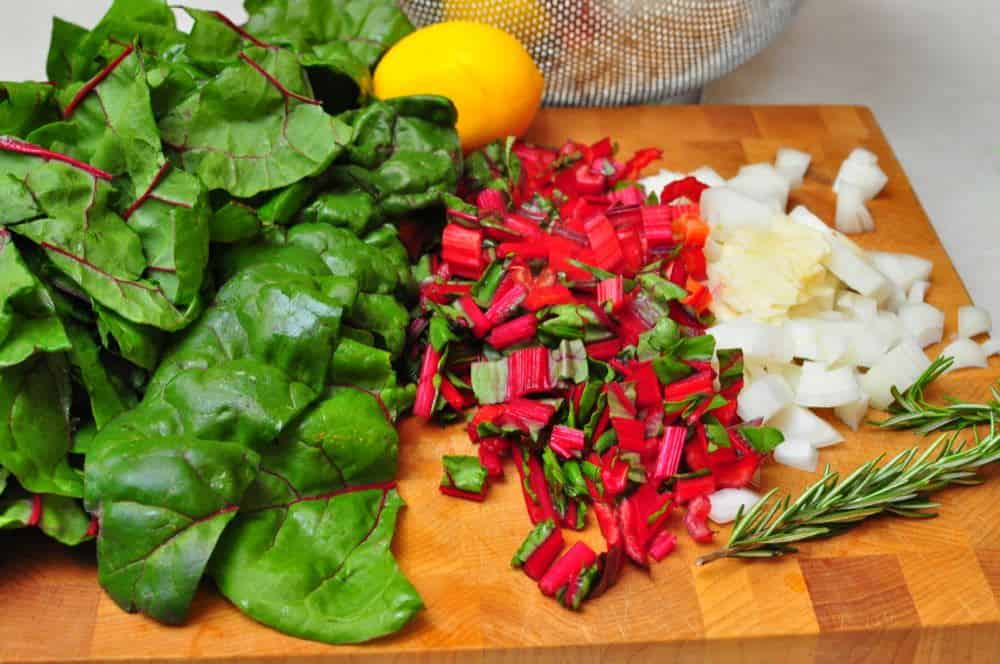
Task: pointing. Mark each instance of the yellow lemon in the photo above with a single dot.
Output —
(489, 76)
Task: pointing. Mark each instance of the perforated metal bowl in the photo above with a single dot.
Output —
(617, 52)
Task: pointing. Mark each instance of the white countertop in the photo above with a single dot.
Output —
(926, 67)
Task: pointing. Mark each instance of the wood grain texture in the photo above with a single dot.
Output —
(896, 591)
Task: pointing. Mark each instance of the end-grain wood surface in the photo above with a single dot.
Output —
(889, 591)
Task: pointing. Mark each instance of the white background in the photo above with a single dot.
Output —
(928, 68)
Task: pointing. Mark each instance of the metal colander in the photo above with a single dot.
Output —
(616, 52)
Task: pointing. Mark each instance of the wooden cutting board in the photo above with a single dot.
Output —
(896, 591)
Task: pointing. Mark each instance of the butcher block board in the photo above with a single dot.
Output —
(889, 591)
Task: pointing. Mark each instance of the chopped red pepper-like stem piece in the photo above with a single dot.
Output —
(528, 371)
(427, 387)
(696, 519)
(662, 545)
(516, 331)
(668, 459)
(566, 441)
(559, 575)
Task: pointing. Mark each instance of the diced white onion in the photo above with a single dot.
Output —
(756, 340)
(726, 503)
(803, 215)
(870, 340)
(904, 270)
(708, 175)
(918, 291)
(823, 387)
(922, 322)
(853, 216)
(888, 326)
(848, 264)
(863, 155)
(899, 367)
(852, 414)
(857, 306)
(973, 321)
(834, 345)
(862, 174)
(798, 423)
(802, 338)
(991, 346)
(793, 164)
(654, 184)
(763, 397)
(723, 206)
(797, 454)
(965, 353)
(791, 373)
(762, 182)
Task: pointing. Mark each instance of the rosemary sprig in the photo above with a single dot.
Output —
(831, 505)
(910, 410)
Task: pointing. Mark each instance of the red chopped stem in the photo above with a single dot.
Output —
(566, 441)
(528, 371)
(696, 519)
(504, 305)
(541, 559)
(566, 568)
(423, 405)
(668, 460)
(480, 324)
(516, 331)
(662, 545)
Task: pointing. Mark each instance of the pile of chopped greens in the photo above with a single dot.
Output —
(203, 301)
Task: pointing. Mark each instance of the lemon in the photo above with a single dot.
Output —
(486, 72)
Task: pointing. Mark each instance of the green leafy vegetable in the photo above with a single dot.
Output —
(163, 504)
(255, 126)
(464, 473)
(203, 299)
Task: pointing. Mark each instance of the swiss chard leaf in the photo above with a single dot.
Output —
(309, 552)
(344, 439)
(162, 504)
(762, 439)
(25, 107)
(296, 568)
(241, 401)
(109, 125)
(139, 344)
(463, 472)
(254, 127)
(384, 316)
(172, 219)
(84, 239)
(76, 54)
(365, 28)
(346, 255)
(289, 321)
(107, 397)
(403, 152)
(28, 323)
(35, 440)
(355, 363)
(61, 518)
